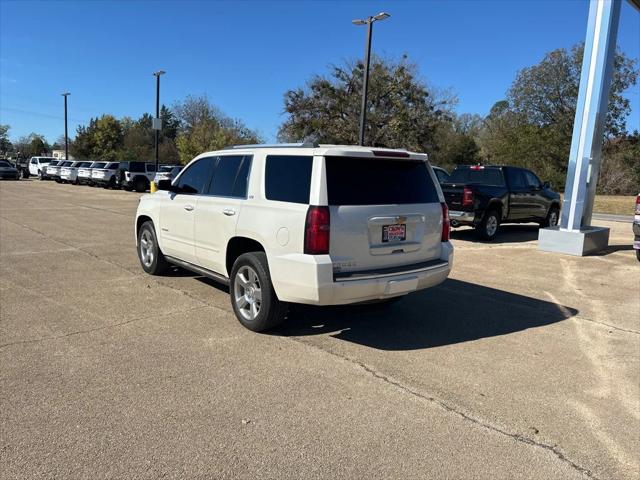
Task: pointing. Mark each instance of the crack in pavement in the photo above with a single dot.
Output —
(580, 317)
(452, 409)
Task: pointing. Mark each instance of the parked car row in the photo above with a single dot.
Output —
(126, 175)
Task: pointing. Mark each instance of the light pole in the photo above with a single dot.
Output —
(158, 125)
(367, 54)
(157, 122)
(66, 135)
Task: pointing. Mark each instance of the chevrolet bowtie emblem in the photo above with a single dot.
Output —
(401, 219)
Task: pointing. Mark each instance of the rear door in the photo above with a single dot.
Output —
(218, 209)
(384, 213)
(177, 211)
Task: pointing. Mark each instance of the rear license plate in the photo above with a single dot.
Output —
(394, 233)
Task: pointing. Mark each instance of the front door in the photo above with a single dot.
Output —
(519, 198)
(218, 211)
(178, 211)
(539, 204)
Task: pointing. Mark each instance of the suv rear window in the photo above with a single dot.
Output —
(482, 175)
(368, 181)
(288, 178)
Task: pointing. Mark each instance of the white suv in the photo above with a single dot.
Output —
(322, 225)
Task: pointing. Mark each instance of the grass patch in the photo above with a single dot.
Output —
(615, 204)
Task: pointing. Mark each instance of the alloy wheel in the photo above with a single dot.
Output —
(247, 293)
(146, 248)
(492, 226)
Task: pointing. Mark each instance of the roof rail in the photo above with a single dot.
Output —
(275, 145)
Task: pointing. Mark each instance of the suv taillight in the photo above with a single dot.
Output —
(638, 205)
(316, 231)
(446, 224)
(467, 197)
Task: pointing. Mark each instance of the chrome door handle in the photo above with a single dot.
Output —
(229, 212)
(188, 207)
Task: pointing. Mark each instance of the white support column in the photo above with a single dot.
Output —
(576, 235)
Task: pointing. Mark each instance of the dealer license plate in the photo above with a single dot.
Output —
(394, 233)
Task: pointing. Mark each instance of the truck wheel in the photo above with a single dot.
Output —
(253, 299)
(140, 185)
(638, 255)
(487, 229)
(151, 258)
(40, 175)
(552, 218)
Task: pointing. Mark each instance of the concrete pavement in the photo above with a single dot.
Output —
(524, 364)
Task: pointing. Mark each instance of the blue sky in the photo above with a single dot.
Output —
(245, 55)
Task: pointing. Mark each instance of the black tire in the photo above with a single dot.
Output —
(488, 228)
(141, 184)
(552, 218)
(638, 255)
(157, 264)
(40, 175)
(271, 311)
(112, 183)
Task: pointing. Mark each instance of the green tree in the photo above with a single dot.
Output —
(5, 144)
(533, 126)
(457, 141)
(204, 127)
(107, 138)
(83, 143)
(401, 110)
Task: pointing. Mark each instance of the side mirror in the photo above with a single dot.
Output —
(165, 185)
(546, 185)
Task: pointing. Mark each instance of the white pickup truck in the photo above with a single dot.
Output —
(37, 164)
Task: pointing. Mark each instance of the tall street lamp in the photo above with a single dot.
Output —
(365, 85)
(157, 122)
(66, 135)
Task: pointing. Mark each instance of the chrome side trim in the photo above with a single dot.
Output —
(196, 269)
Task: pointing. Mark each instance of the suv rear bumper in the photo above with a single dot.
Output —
(311, 280)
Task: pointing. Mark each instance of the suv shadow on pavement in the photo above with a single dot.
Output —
(450, 313)
(506, 234)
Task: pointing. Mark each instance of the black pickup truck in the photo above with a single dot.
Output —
(484, 196)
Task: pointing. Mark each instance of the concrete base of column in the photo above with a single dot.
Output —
(579, 243)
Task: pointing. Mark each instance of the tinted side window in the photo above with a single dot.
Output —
(136, 167)
(516, 179)
(230, 176)
(532, 180)
(195, 178)
(288, 178)
(151, 167)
